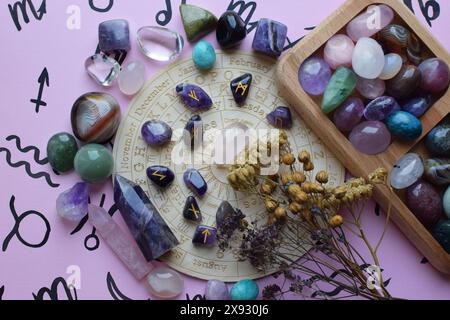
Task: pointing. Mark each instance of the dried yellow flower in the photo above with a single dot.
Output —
(266, 189)
(308, 166)
(298, 177)
(280, 213)
(322, 177)
(271, 205)
(378, 176)
(286, 178)
(304, 156)
(293, 189)
(288, 159)
(300, 197)
(295, 207)
(336, 221)
(340, 192)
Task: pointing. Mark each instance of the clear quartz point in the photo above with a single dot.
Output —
(102, 68)
(159, 43)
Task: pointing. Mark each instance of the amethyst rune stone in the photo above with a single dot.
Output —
(191, 210)
(193, 134)
(194, 97)
(160, 175)
(270, 37)
(240, 87)
(417, 106)
(349, 114)
(205, 236)
(114, 35)
(380, 108)
(280, 118)
(72, 205)
(314, 75)
(156, 133)
(231, 30)
(195, 182)
(148, 228)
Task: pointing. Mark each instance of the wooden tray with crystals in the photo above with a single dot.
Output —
(357, 163)
(158, 100)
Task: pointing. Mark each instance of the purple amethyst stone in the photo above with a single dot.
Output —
(156, 133)
(114, 35)
(194, 97)
(205, 236)
(417, 106)
(72, 205)
(195, 182)
(314, 75)
(270, 37)
(349, 114)
(380, 108)
(280, 118)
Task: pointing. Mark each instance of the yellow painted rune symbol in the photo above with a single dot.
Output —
(206, 233)
(241, 86)
(157, 174)
(194, 211)
(193, 95)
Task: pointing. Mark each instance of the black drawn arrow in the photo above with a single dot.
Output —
(43, 81)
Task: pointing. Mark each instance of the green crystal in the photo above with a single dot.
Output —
(340, 87)
(61, 150)
(197, 21)
(94, 163)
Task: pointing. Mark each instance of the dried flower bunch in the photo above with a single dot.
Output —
(304, 220)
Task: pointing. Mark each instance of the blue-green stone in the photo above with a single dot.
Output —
(442, 234)
(204, 55)
(438, 141)
(61, 150)
(94, 163)
(244, 290)
(404, 125)
(340, 87)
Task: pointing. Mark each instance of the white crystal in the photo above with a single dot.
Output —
(368, 58)
(159, 43)
(132, 78)
(165, 283)
(407, 171)
(102, 68)
(392, 65)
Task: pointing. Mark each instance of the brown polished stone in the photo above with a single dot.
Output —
(404, 83)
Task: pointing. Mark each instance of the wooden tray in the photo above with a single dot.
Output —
(357, 163)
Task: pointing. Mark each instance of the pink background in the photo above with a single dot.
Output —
(48, 43)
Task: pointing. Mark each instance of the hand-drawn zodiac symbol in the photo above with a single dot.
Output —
(52, 292)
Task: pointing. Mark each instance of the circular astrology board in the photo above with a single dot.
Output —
(158, 100)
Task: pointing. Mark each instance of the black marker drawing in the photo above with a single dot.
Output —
(26, 7)
(430, 9)
(43, 81)
(18, 220)
(102, 10)
(424, 261)
(293, 43)
(52, 292)
(2, 291)
(37, 152)
(242, 8)
(164, 16)
(196, 297)
(377, 209)
(114, 291)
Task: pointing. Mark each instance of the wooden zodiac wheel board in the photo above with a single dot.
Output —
(158, 100)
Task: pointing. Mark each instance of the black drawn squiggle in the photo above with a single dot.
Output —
(195, 298)
(52, 292)
(241, 7)
(24, 6)
(102, 10)
(37, 152)
(114, 291)
(430, 9)
(164, 16)
(2, 291)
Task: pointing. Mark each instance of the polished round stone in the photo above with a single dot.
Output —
(94, 163)
(280, 117)
(417, 106)
(231, 29)
(393, 62)
(404, 125)
(159, 43)
(61, 150)
(132, 78)
(425, 203)
(371, 88)
(370, 137)
(204, 55)
(339, 51)
(380, 108)
(349, 114)
(95, 117)
(405, 83)
(216, 290)
(442, 234)
(446, 202)
(165, 283)
(375, 18)
(244, 290)
(368, 58)
(438, 141)
(114, 35)
(435, 75)
(437, 171)
(407, 171)
(102, 68)
(314, 75)
(156, 133)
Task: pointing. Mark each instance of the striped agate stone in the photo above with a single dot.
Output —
(95, 117)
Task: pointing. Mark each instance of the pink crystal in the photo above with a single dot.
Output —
(121, 243)
(370, 22)
(371, 88)
(370, 137)
(339, 51)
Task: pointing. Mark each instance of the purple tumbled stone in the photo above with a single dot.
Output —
(314, 75)
(195, 182)
(349, 114)
(435, 75)
(156, 133)
(370, 137)
(216, 290)
(280, 118)
(380, 108)
(72, 205)
(194, 97)
(417, 106)
(114, 35)
(205, 236)
(270, 37)
(425, 203)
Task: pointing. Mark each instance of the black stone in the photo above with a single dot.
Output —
(231, 30)
(240, 87)
(191, 210)
(160, 175)
(194, 131)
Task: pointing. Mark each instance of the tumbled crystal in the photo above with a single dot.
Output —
(349, 114)
(244, 290)
(160, 175)
(240, 87)
(94, 163)
(280, 118)
(425, 203)
(339, 51)
(165, 283)
(231, 30)
(194, 131)
(394, 36)
(371, 88)
(197, 21)
(226, 213)
(438, 141)
(156, 132)
(442, 234)
(407, 171)
(404, 125)
(370, 137)
(216, 290)
(392, 65)
(368, 58)
(204, 55)
(415, 50)
(102, 68)
(159, 43)
(61, 150)
(370, 22)
(191, 210)
(340, 87)
(72, 204)
(148, 228)
(417, 106)
(437, 171)
(446, 205)
(194, 97)
(314, 75)
(132, 78)
(435, 75)
(270, 37)
(380, 108)
(119, 241)
(195, 182)
(405, 83)
(205, 236)
(114, 35)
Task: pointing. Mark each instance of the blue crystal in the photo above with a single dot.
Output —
(160, 175)
(148, 228)
(194, 181)
(191, 210)
(205, 236)
(404, 125)
(280, 118)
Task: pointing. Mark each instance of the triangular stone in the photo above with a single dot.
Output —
(197, 21)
